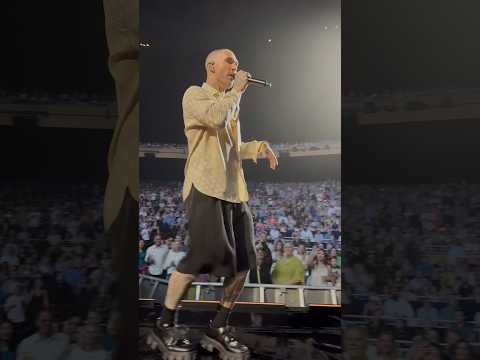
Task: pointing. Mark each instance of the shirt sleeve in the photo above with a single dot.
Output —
(251, 150)
(201, 110)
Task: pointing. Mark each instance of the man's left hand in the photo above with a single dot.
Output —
(270, 155)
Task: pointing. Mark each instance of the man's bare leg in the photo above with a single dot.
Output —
(232, 288)
(173, 343)
(177, 287)
(219, 336)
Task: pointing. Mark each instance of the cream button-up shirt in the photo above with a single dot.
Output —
(215, 148)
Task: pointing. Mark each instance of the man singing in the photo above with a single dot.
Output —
(215, 193)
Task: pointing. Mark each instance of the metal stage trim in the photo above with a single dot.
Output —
(262, 296)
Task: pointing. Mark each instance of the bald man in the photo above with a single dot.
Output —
(215, 193)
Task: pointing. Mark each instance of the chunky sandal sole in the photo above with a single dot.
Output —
(210, 345)
(154, 342)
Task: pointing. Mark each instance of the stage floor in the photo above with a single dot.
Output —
(269, 345)
(311, 335)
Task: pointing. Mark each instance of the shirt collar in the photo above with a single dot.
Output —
(211, 90)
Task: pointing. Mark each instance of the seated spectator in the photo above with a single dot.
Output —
(461, 327)
(155, 256)
(173, 257)
(334, 272)
(398, 306)
(432, 335)
(385, 348)
(319, 270)
(289, 270)
(274, 233)
(452, 338)
(306, 234)
(301, 253)
(427, 314)
(89, 345)
(338, 257)
(7, 346)
(262, 274)
(355, 343)
(422, 349)
(447, 312)
(44, 344)
(267, 253)
(278, 250)
(463, 351)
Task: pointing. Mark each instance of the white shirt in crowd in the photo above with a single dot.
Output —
(172, 260)
(37, 347)
(157, 255)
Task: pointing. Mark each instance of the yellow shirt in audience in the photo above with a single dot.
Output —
(288, 270)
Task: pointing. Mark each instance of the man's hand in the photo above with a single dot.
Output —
(241, 81)
(270, 155)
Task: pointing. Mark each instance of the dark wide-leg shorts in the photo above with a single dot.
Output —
(221, 237)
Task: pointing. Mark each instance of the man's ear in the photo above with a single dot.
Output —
(211, 67)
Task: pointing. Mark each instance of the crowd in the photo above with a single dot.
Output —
(383, 100)
(55, 273)
(43, 97)
(297, 230)
(303, 146)
(411, 279)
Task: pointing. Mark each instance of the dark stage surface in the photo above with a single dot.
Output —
(314, 334)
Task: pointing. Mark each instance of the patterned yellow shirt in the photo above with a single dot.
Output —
(215, 149)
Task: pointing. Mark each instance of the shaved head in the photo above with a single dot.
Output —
(214, 56)
(221, 66)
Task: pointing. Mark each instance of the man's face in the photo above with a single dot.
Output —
(176, 245)
(158, 240)
(225, 68)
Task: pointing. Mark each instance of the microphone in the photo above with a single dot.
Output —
(263, 83)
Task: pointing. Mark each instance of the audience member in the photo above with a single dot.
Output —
(155, 256)
(288, 270)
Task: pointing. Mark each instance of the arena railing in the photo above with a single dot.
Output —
(291, 296)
